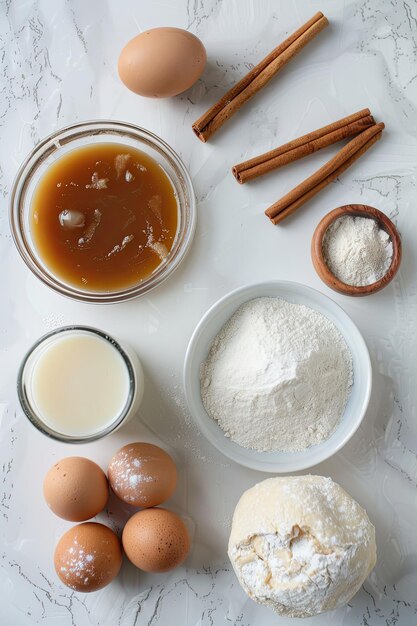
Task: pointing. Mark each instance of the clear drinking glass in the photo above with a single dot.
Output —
(134, 395)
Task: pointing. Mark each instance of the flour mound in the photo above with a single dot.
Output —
(277, 376)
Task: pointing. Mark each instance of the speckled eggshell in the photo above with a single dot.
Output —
(162, 62)
(76, 489)
(88, 557)
(142, 474)
(156, 540)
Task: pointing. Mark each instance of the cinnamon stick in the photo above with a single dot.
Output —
(325, 175)
(257, 78)
(303, 146)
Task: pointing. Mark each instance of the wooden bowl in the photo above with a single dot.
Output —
(320, 265)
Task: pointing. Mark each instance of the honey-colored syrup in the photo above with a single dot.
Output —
(104, 217)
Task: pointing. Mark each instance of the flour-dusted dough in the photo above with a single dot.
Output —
(301, 545)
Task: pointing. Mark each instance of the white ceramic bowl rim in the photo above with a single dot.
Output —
(202, 337)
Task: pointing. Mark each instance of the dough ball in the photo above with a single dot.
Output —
(301, 545)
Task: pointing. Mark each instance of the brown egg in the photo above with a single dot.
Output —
(162, 62)
(76, 489)
(88, 557)
(156, 540)
(142, 474)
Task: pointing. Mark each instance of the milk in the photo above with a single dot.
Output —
(77, 383)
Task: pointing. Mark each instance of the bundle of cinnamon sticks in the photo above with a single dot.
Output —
(325, 175)
(360, 125)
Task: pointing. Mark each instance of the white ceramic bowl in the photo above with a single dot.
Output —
(198, 348)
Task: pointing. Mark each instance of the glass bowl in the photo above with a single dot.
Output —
(76, 136)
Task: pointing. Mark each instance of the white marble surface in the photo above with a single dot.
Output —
(58, 65)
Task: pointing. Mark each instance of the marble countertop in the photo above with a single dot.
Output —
(58, 66)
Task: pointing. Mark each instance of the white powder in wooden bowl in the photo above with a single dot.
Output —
(277, 376)
(357, 251)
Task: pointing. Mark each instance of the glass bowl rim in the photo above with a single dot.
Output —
(74, 131)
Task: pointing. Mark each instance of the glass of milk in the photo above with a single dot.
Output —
(77, 384)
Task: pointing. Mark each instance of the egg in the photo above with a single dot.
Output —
(162, 62)
(88, 557)
(142, 474)
(156, 540)
(76, 489)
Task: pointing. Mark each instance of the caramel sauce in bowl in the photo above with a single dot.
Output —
(102, 212)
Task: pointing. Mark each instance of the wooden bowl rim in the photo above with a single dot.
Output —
(355, 210)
